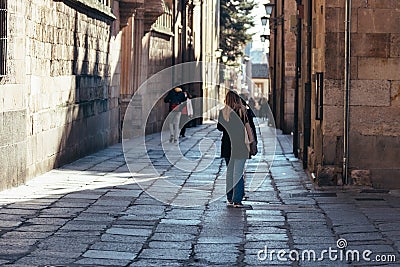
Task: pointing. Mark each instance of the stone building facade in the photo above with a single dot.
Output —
(60, 92)
(260, 80)
(348, 104)
(282, 63)
(70, 67)
(174, 38)
(145, 51)
(210, 43)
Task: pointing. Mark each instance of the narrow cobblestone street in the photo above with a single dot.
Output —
(91, 212)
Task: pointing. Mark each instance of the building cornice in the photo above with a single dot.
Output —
(92, 7)
(151, 9)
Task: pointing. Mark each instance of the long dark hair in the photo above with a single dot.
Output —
(233, 102)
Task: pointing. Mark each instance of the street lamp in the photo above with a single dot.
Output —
(274, 21)
(268, 8)
(264, 37)
(264, 20)
(218, 53)
(268, 12)
(224, 58)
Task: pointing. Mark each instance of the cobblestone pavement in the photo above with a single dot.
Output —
(91, 212)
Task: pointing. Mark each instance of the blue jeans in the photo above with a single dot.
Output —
(234, 179)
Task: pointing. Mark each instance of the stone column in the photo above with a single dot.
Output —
(138, 34)
(126, 65)
(131, 57)
(141, 15)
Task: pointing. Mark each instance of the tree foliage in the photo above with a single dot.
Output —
(236, 20)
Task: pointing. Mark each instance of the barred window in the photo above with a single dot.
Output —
(105, 2)
(3, 38)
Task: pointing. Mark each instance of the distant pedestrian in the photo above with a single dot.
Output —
(252, 105)
(263, 107)
(231, 121)
(187, 114)
(174, 97)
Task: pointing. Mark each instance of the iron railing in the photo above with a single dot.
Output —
(164, 22)
(105, 2)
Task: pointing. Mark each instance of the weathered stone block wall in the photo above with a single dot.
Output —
(374, 104)
(13, 113)
(72, 105)
(290, 63)
(61, 94)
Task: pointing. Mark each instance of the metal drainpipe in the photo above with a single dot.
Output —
(184, 31)
(307, 89)
(173, 30)
(347, 42)
(283, 84)
(201, 41)
(274, 96)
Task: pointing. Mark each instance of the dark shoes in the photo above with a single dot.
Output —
(238, 205)
(230, 204)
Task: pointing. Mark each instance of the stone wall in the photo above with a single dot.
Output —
(160, 57)
(375, 87)
(152, 49)
(290, 66)
(63, 88)
(13, 102)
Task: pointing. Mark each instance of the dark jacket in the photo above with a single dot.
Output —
(251, 116)
(174, 98)
(232, 143)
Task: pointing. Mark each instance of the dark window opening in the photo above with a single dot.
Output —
(3, 38)
(319, 99)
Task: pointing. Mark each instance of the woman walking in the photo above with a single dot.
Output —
(231, 121)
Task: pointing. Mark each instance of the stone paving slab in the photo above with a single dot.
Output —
(107, 254)
(44, 260)
(93, 213)
(100, 262)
